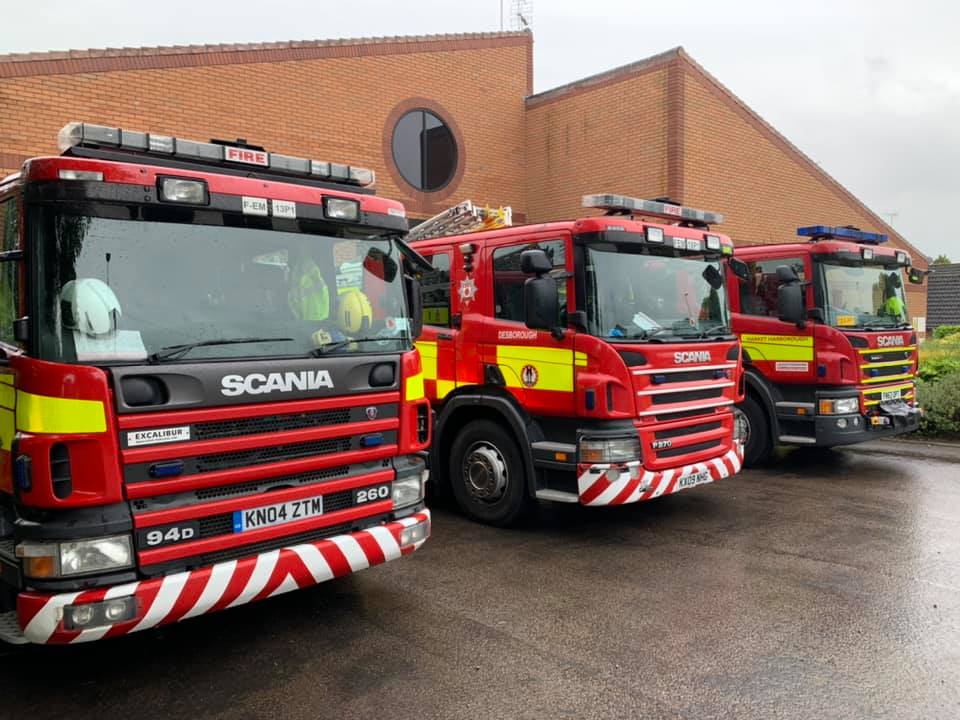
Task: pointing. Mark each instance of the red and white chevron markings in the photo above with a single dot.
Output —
(237, 582)
(628, 483)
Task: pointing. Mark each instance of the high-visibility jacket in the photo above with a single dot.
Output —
(894, 306)
(309, 297)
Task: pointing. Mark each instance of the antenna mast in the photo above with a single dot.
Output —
(521, 14)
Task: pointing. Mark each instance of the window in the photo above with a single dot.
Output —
(758, 294)
(424, 150)
(8, 270)
(508, 280)
(436, 291)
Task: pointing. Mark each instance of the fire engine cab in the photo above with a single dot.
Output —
(829, 355)
(209, 393)
(589, 361)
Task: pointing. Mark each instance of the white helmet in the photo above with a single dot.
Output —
(90, 306)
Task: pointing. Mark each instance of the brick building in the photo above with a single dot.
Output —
(662, 126)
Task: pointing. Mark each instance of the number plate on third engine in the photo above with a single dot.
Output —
(689, 481)
(889, 395)
(278, 514)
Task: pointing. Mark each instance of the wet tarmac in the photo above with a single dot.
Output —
(825, 587)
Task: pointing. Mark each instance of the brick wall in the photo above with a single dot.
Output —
(608, 137)
(328, 102)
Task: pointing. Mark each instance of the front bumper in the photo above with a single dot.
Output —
(187, 594)
(859, 428)
(605, 484)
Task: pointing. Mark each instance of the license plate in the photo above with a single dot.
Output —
(879, 420)
(888, 395)
(693, 479)
(278, 514)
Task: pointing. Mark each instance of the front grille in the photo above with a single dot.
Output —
(687, 450)
(889, 356)
(258, 456)
(686, 430)
(689, 376)
(684, 414)
(270, 424)
(256, 485)
(888, 371)
(687, 396)
(268, 545)
(222, 524)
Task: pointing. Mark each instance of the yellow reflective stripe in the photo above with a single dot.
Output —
(894, 363)
(444, 388)
(778, 347)
(580, 359)
(902, 348)
(6, 379)
(8, 396)
(428, 358)
(905, 386)
(7, 429)
(888, 378)
(43, 414)
(554, 366)
(414, 388)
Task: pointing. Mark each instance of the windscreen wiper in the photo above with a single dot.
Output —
(717, 330)
(174, 352)
(878, 326)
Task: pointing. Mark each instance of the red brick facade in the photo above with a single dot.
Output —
(659, 127)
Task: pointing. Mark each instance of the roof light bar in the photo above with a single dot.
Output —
(825, 232)
(80, 134)
(650, 208)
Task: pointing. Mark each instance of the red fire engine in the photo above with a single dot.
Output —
(588, 361)
(208, 389)
(829, 355)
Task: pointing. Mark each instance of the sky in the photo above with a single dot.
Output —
(870, 90)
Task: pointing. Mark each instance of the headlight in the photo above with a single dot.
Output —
(408, 490)
(612, 450)
(80, 557)
(840, 406)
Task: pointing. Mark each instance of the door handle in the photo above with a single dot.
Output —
(444, 336)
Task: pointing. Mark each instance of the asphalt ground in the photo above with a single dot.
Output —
(825, 586)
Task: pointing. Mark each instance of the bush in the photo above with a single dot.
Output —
(939, 358)
(940, 401)
(945, 330)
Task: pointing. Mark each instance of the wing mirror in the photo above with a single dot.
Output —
(739, 268)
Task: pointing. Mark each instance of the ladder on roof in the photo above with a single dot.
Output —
(462, 218)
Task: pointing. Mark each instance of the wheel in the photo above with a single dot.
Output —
(754, 430)
(486, 474)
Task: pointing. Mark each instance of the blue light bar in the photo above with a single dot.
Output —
(825, 232)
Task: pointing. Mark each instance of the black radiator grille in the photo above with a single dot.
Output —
(888, 371)
(686, 430)
(689, 376)
(905, 355)
(257, 456)
(270, 424)
(687, 450)
(687, 396)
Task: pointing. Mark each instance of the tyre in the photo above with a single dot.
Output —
(487, 475)
(758, 444)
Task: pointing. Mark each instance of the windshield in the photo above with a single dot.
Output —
(117, 290)
(863, 296)
(632, 296)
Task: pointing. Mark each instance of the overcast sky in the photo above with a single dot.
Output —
(868, 89)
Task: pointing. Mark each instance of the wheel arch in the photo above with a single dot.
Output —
(760, 389)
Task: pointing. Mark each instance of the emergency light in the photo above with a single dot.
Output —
(650, 208)
(825, 232)
(80, 134)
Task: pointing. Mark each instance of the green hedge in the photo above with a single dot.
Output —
(940, 401)
(945, 330)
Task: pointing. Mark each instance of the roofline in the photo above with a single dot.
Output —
(142, 58)
(778, 139)
(606, 77)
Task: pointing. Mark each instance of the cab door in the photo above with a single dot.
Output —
(437, 342)
(533, 365)
(783, 352)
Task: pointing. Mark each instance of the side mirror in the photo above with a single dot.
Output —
(541, 302)
(535, 262)
(786, 274)
(790, 304)
(713, 277)
(414, 294)
(739, 268)
(916, 276)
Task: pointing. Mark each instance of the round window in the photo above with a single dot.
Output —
(424, 150)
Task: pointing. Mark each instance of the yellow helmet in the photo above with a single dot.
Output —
(354, 312)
